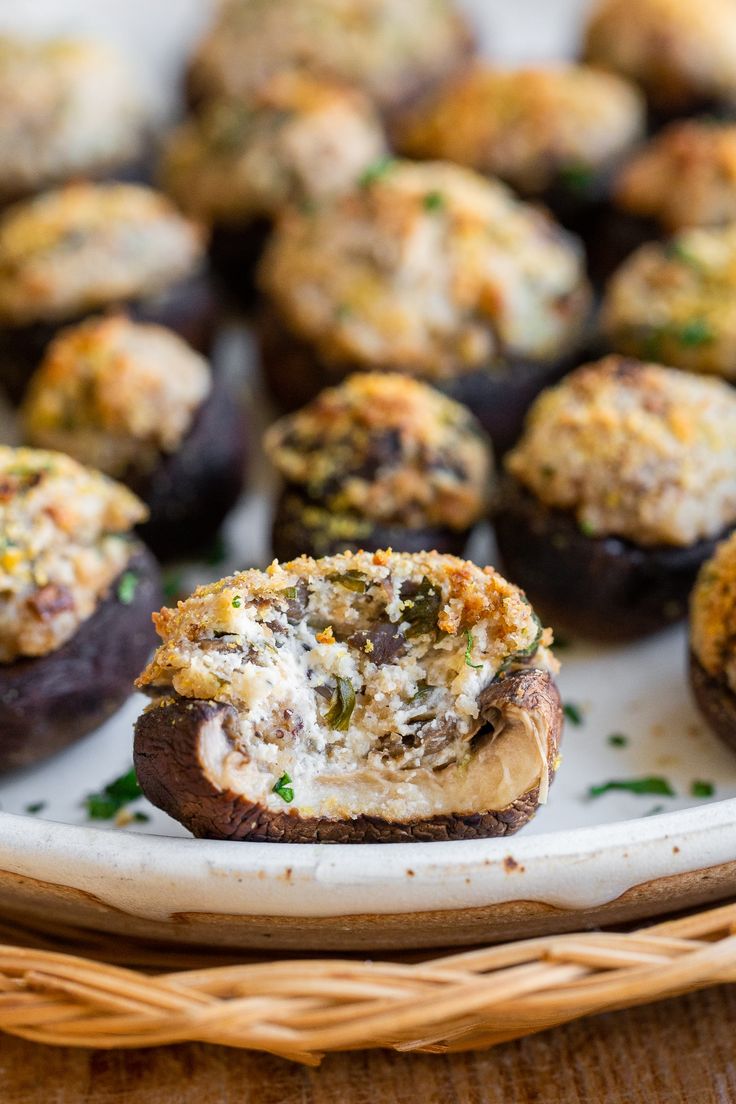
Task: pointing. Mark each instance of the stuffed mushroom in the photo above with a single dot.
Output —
(680, 52)
(382, 461)
(624, 479)
(676, 302)
(683, 177)
(554, 133)
(713, 641)
(76, 593)
(391, 50)
(135, 401)
(297, 140)
(68, 108)
(380, 697)
(67, 253)
(430, 270)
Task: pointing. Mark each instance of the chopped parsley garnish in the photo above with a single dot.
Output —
(469, 652)
(577, 177)
(376, 171)
(652, 785)
(696, 332)
(342, 704)
(127, 587)
(586, 527)
(617, 739)
(434, 201)
(113, 797)
(290, 593)
(422, 609)
(423, 689)
(237, 602)
(351, 580)
(699, 788)
(140, 817)
(573, 713)
(284, 788)
(36, 807)
(677, 251)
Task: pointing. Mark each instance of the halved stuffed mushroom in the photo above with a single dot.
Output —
(135, 401)
(76, 594)
(430, 270)
(238, 164)
(87, 247)
(359, 698)
(624, 479)
(382, 461)
(712, 660)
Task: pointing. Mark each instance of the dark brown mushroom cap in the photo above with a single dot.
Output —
(171, 763)
(716, 701)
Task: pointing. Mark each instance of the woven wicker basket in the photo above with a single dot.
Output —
(302, 1009)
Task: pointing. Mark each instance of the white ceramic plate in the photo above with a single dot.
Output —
(581, 861)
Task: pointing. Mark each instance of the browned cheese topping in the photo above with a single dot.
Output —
(676, 302)
(296, 140)
(85, 246)
(679, 51)
(634, 450)
(388, 448)
(115, 394)
(428, 268)
(64, 539)
(533, 127)
(713, 614)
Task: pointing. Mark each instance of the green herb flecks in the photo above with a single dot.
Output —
(434, 201)
(469, 652)
(423, 688)
(677, 251)
(284, 788)
(694, 333)
(140, 817)
(113, 797)
(573, 713)
(618, 740)
(586, 527)
(577, 178)
(127, 587)
(700, 788)
(376, 171)
(290, 593)
(237, 602)
(422, 609)
(654, 784)
(351, 580)
(35, 807)
(342, 704)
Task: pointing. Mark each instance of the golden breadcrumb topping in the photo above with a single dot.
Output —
(533, 127)
(390, 48)
(64, 539)
(423, 595)
(676, 302)
(428, 268)
(635, 451)
(686, 176)
(389, 448)
(67, 107)
(297, 140)
(678, 50)
(86, 246)
(713, 614)
(115, 394)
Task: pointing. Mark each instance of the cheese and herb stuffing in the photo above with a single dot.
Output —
(67, 107)
(369, 685)
(86, 246)
(430, 268)
(533, 127)
(115, 394)
(679, 51)
(676, 302)
(388, 448)
(700, 156)
(64, 540)
(389, 48)
(298, 140)
(635, 451)
(713, 615)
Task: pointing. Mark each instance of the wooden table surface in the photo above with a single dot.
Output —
(680, 1051)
